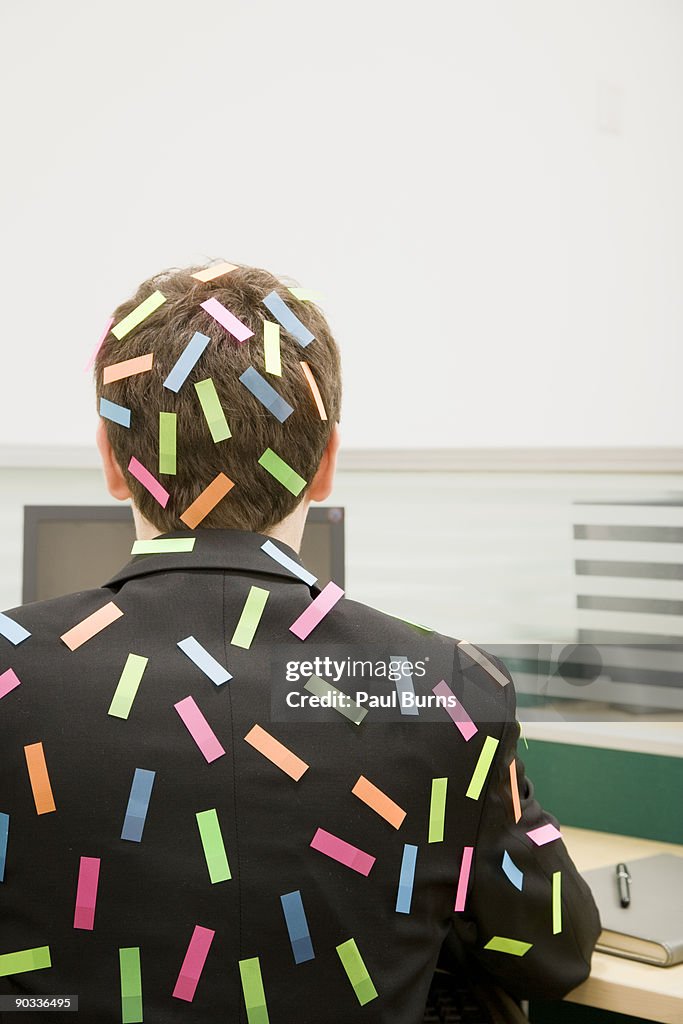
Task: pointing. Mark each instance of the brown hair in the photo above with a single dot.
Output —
(257, 501)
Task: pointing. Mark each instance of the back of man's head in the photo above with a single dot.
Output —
(258, 500)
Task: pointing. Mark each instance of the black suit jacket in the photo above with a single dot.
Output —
(336, 949)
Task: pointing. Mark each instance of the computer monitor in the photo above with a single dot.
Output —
(72, 548)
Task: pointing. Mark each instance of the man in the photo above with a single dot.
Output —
(189, 838)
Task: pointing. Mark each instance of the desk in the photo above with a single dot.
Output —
(625, 986)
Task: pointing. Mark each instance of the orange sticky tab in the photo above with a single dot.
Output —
(515, 790)
(40, 780)
(379, 802)
(276, 752)
(211, 273)
(314, 389)
(91, 626)
(207, 500)
(128, 368)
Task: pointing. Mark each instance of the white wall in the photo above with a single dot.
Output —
(487, 194)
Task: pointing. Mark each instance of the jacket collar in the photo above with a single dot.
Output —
(228, 550)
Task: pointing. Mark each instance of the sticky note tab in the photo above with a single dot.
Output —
(297, 926)
(252, 989)
(481, 769)
(86, 893)
(12, 631)
(557, 902)
(512, 871)
(199, 729)
(339, 701)
(282, 472)
(276, 752)
(207, 500)
(4, 836)
(225, 318)
(250, 617)
(283, 314)
(315, 391)
(91, 626)
(9, 680)
(167, 442)
(305, 294)
(186, 361)
(544, 834)
(463, 878)
(128, 368)
(39, 778)
(211, 273)
(127, 686)
(472, 652)
(406, 879)
(405, 689)
(512, 946)
(213, 846)
(437, 810)
(266, 394)
(24, 960)
(149, 482)
(455, 711)
(137, 315)
(204, 661)
(212, 409)
(193, 964)
(162, 546)
(138, 804)
(274, 552)
(343, 852)
(356, 971)
(379, 802)
(131, 985)
(514, 789)
(271, 348)
(91, 362)
(116, 413)
(316, 611)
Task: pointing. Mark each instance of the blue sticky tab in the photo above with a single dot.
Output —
(512, 871)
(289, 563)
(404, 686)
(11, 630)
(115, 413)
(204, 661)
(267, 395)
(281, 311)
(138, 802)
(187, 360)
(406, 879)
(297, 926)
(4, 833)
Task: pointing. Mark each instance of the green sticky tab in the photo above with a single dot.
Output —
(127, 687)
(214, 848)
(252, 987)
(305, 294)
(340, 701)
(437, 810)
(481, 769)
(137, 315)
(25, 960)
(250, 617)
(271, 348)
(356, 971)
(131, 985)
(503, 945)
(557, 902)
(212, 409)
(167, 436)
(162, 546)
(282, 472)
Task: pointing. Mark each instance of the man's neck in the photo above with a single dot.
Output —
(289, 530)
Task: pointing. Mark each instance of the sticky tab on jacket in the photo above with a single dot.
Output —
(253, 991)
(127, 686)
(297, 927)
(39, 778)
(406, 879)
(4, 837)
(338, 700)
(274, 552)
(356, 971)
(193, 963)
(12, 631)
(512, 872)
(9, 680)
(162, 545)
(455, 710)
(25, 960)
(91, 626)
(86, 893)
(138, 805)
(437, 810)
(304, 625)
(514, 790)
(199, 729)
(475, 655)
(481, 769)
(204, 661)
(131, 985)
(277, 753)
(463, 878)
(544, 834)
(213, 846)
(557, 902)
(501, 944)
(250, 617)
(345, 853)
(379, 802)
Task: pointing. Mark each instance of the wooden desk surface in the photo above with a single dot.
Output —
(625, 986)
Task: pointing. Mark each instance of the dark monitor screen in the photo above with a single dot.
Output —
(72, 548)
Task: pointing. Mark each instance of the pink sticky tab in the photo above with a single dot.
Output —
(149, 482)
(226, 319)
(193, 964)
(98, 346)
(316, 611)
(8, 681)
(456, 711)
(86, 893)
(544, 834)
(461, 894)
(345, 853)
(199, 729)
